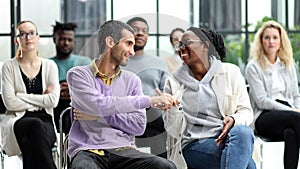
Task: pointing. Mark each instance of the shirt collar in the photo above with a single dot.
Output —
(96, 71)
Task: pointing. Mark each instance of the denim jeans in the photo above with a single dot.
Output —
(234, 153)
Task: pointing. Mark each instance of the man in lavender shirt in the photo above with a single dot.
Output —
(109, 107)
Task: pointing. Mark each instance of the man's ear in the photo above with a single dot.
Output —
(109, 41)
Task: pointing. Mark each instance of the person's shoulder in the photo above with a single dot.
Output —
(128, 74)
(252, 64)
(9, 63)
(47, 61)
(52, 58)
(81, 60)
(81, 57)
(230, 66)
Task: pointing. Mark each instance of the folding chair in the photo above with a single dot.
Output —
(65, 121)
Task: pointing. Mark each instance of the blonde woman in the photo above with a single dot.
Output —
(272, 79)
(30, 90)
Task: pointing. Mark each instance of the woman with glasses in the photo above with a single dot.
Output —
(272, 77)
(210, 127)
(30, 91)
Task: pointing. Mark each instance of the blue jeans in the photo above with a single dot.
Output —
(234, 153)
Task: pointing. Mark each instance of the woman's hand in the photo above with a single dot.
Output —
(228, 122)
(78, 115)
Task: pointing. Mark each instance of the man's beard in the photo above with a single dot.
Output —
(137, 48)
(63, 55)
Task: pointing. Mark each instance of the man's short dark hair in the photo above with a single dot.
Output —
(111, 28)
(130, 21)
(70, 26)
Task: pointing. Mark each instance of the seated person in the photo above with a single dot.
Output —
(64, 39)
(110, 107)
(30, 91)
(274, 91)
(210, 128)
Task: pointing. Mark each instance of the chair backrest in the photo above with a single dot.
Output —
(65, 120)
(65, 123)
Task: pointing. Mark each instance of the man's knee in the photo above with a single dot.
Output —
(162, 163)
(81, 161)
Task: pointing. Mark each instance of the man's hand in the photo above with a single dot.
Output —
(64, 91)
(163, 101)
(228, 123)
(78, 115)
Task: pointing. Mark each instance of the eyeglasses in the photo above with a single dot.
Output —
(182, 44)
(24, 35)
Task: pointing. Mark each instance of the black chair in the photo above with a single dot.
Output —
(65, 122)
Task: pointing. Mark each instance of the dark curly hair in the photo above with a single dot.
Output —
(70, 26)
(217, 48)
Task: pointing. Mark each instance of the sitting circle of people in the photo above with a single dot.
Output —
(207, 112)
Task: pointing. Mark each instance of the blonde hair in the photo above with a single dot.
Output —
(285, 52)
(19, 51)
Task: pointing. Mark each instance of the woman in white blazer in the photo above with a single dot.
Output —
(30, 90)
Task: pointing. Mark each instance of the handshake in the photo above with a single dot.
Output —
(163, 101)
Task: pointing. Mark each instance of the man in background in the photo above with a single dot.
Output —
(64, 38)
(153, 72)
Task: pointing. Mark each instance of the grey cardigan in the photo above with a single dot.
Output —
(260, 85)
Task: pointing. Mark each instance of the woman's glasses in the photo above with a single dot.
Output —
(24, 35)
(182, 44)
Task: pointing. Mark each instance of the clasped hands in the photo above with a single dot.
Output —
(163, 101)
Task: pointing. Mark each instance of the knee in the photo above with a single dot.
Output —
(37, 123)
(83, 164)
(243, 133)
(289, 133)
(160, 163)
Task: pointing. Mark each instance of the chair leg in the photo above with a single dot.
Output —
(2, 158)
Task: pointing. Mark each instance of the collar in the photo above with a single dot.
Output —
(96, 71)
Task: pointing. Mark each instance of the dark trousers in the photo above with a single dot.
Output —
(122, 159)
(36, 137)
(278, 125)
(154, 137)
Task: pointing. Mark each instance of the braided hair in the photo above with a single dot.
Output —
(215, 38)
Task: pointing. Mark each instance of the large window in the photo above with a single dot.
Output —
(235, 19)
